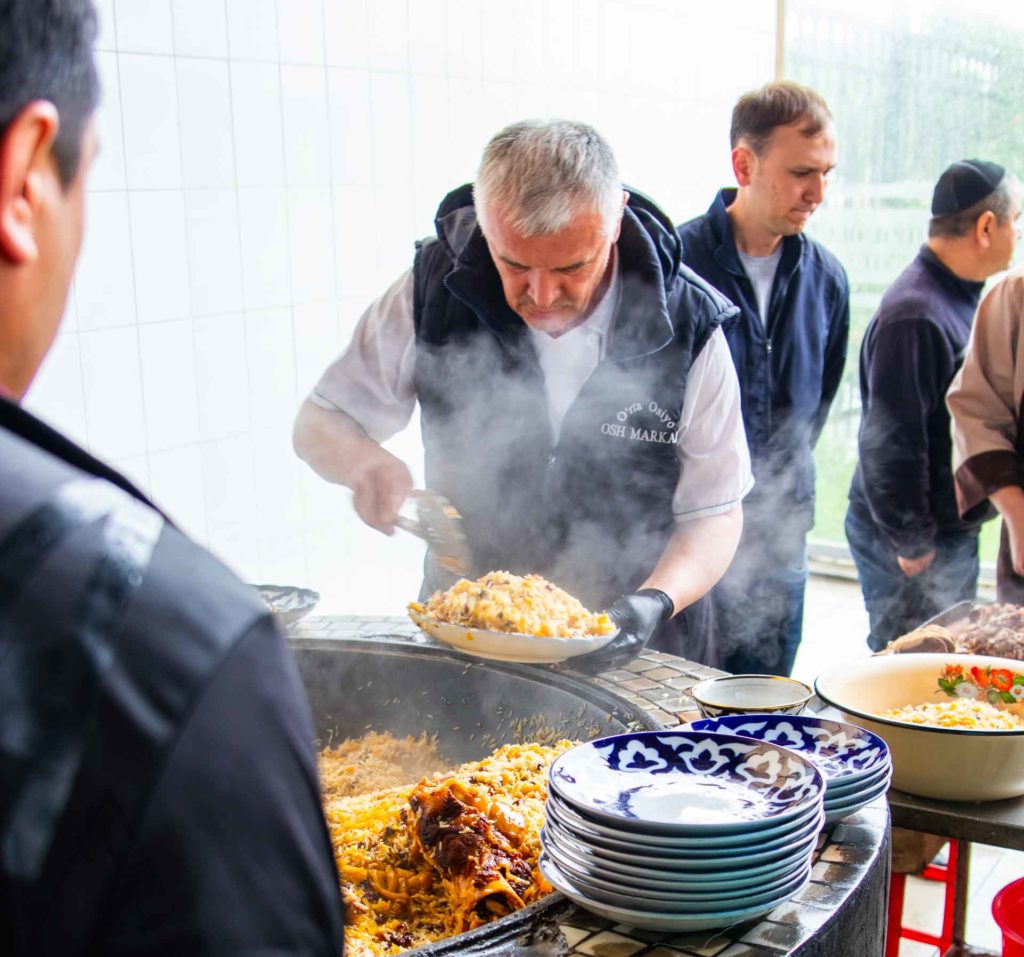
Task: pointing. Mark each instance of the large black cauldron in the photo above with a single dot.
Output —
(473, 706)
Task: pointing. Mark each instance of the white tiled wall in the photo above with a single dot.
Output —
(265, 168)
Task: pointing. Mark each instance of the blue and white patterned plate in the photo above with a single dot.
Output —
(840, 809)
(687, 782)
(728, 860)
(676, 921)
(687, 858)
(842, 752)
(726, 875)
(600, 835)
(678, 893)
(846, 789)
(603, 890)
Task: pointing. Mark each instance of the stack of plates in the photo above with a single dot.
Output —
(681, 830)
(854, 762)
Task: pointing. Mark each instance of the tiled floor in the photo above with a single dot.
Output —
(835, 625)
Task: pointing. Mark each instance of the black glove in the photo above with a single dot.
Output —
(638, 616)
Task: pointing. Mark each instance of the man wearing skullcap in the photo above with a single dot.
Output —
(915, 554)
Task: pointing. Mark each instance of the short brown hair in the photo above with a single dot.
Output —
(757, 113)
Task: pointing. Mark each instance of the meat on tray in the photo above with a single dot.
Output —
(996, 630)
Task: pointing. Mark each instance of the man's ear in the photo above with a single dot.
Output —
(984, 226)
(618, 221)
(743, 162)
(27, 174)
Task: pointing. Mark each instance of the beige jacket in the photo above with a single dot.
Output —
(984, 401)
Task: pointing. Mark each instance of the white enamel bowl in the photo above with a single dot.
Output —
(951, 764)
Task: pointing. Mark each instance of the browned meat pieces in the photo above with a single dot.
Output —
(485, 873)
(996, 630)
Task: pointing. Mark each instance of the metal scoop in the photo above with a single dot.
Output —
(439, 524)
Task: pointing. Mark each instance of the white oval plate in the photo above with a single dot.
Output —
(505, 646)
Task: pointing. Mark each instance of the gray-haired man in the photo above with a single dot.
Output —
(578, 403)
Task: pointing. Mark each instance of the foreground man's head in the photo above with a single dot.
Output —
(549, 201)
(48, 94)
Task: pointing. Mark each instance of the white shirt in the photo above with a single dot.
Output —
(372, 381)
(761, 272)
(568, 360)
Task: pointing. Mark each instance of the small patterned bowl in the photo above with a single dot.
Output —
(750, 694)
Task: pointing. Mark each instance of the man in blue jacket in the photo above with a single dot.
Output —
(915, 555)
(789, 346)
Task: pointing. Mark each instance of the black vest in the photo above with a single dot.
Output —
(593, 511)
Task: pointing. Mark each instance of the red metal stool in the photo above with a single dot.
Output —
(946, 873)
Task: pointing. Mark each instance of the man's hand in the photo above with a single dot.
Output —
(340, 451)
(912, 567)
(380, 485)
(638, 615)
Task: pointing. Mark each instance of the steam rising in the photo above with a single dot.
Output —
(623, 506)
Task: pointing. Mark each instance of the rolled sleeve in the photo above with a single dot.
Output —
(984, 399)
(714, 462)
(372, 381)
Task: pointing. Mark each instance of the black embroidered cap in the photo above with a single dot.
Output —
(963, 183)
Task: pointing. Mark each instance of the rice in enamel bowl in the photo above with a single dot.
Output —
(525, 605)
(961, 713)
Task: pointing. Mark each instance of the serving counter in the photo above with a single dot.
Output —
(840, 913)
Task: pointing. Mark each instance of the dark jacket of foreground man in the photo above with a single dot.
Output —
(158, 789)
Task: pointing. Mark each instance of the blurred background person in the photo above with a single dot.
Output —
(915, 555)
(788, 343)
